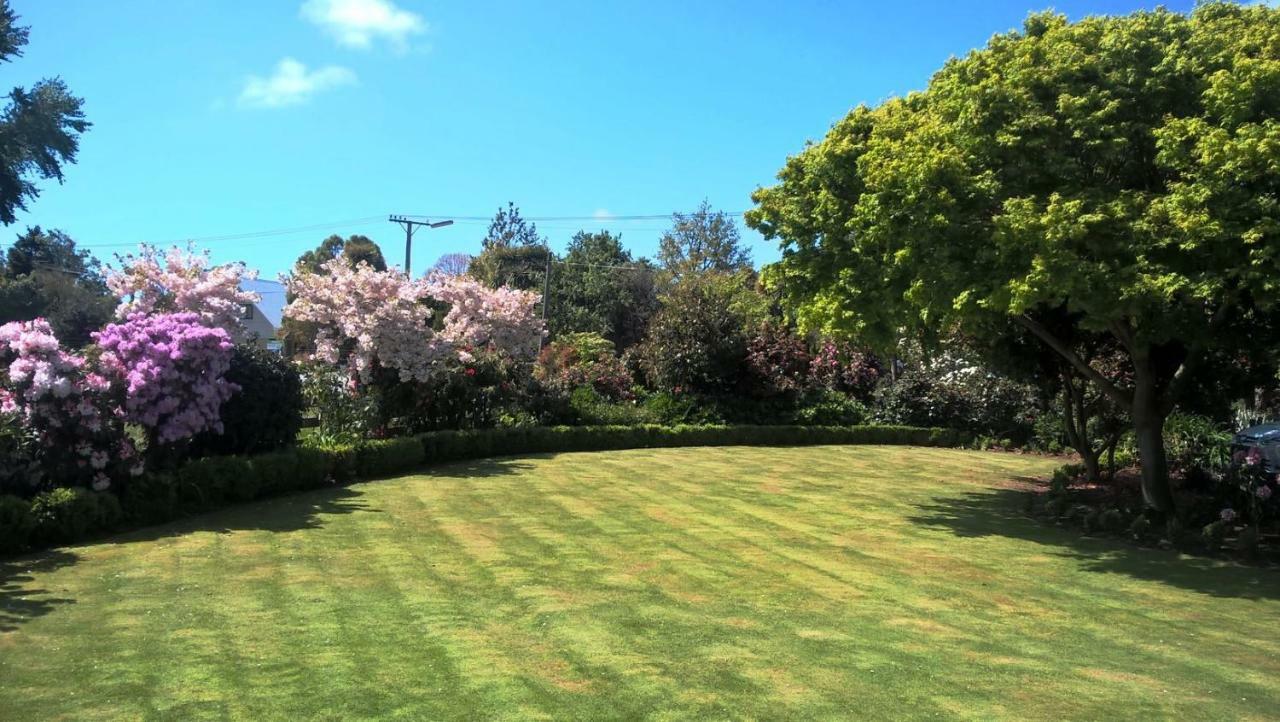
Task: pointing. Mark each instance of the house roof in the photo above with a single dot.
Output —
(272, 303)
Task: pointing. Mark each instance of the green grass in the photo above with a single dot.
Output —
(822, 582)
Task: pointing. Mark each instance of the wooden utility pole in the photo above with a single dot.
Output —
(410, 225)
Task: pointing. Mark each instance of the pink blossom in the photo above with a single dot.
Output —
(1263, 492)
(1228, 515)
(171, 367)
(101, 482)
(177, 281)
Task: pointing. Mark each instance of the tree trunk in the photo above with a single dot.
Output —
(1092, 469)
(1148, 427)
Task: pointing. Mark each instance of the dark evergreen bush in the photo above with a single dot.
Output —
(265, 414)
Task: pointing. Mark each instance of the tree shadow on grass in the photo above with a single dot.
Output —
(999, 513)
(284, 513)
(20, 603)
(484, 468)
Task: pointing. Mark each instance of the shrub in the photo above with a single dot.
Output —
(777, 361)
(841, 367)
(67, 515)
(277, 472)
(16, 523)
(589, 407)
(265, 414)
(344, 413)
(955, 394)
(206, 483)
(830, 408)
(668, 408)
(387, 457)
(151, 499)
(696, 341)
(1195, 444)
(583, 359)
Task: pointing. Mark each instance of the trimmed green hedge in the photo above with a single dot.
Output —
(64, 516)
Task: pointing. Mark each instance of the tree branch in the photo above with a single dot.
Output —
(1074, 359)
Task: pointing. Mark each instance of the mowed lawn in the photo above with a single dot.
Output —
(824, 582)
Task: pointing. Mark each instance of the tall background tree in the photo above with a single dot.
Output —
(453, 264)
(44, 275)
(354, 249)
(514, 254)
(599, 287)
(40, 127)
(1120, 167)
(701, 241)
(509, 229)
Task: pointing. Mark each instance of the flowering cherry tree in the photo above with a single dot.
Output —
(500, 320)
(368, 318)
(382, 319)
(155, 281)
(170, 368)
(65, 406)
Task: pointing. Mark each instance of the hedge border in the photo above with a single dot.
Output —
(66, 516)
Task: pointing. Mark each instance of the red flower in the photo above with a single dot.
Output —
(470, 372)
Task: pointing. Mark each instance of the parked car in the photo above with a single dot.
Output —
(1263, 437)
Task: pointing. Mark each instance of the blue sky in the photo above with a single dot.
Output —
(224, 117)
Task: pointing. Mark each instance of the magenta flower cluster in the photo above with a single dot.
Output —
(171, 369)
(69, 410)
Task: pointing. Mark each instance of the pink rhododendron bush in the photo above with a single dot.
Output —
(170, 368)
(177, 280)
(371, 320)
(65, 410)
(162, 373)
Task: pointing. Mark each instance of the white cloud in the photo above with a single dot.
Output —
(292, 84)
(357, 23)
(602, 214)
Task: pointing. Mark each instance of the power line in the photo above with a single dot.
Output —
(249, 235)
(369, 220)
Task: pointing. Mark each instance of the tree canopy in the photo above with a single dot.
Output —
(1122, 168)
(598, 287)
(40, 127)
(508, 229)
(353, 249)
(44, 275)
(701, 241)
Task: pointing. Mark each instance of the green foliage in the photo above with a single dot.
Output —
(583, 359)
(39, 128)
(705, 241)
(46, 276)
(522, 267)
(697, 341)
(67, 515)
(957, 396)
(16, 523)
(207, 483)
(509, 230)
(598, 287)
(342, 417)
(265, 414)
(387, 457)
(829, 408)
(151, 498)
(1119, 167)
(1196, 443)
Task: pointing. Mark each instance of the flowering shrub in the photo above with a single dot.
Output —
(841, 367)
(170, 369)
(777, 361)
(499, 320)
(368, 319)
(175, 281)
(583, 359)
(71, 435)
(382, 319)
